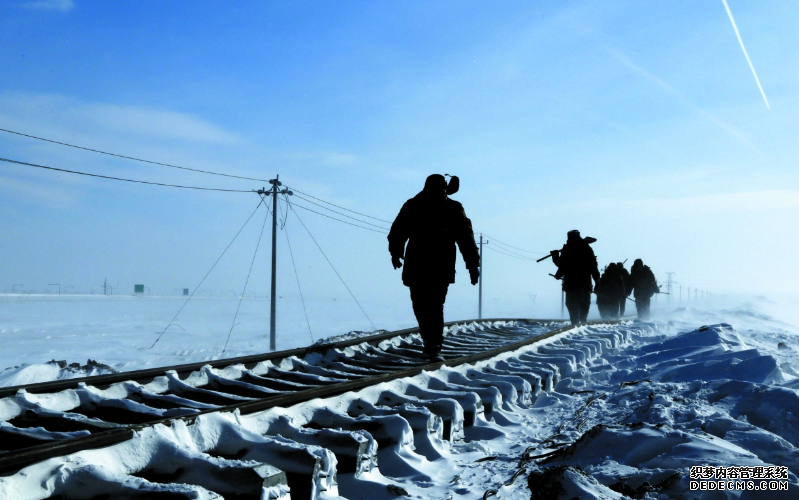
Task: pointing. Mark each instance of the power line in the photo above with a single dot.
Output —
(513, 247)
(337, 206)
(329, 217)
(177, 167)
(494, 249)
(123, 179)
(511, 253)
(339, 213)
(131, 157)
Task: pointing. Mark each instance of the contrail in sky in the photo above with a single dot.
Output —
(732, 20)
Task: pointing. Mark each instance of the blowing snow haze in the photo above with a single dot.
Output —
(643, 125)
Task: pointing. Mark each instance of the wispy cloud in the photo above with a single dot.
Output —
(746, 55)
(70, 113)
(155, 122)
(626, 61)
(59, 5)
(41, 193)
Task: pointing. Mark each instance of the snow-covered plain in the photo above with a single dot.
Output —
(633, 409)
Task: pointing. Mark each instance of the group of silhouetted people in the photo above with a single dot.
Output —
(577, 266)
(432, 224)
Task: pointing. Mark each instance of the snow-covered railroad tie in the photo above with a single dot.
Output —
(255, 427)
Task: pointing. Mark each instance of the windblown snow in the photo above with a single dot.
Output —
(666, 409)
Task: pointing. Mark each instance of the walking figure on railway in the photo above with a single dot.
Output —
(576, 266)
(610, 294)
(644, 286)
(432, 224)
(628, 286)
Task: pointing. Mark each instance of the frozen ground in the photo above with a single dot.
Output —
(118, 331)
(628, 418)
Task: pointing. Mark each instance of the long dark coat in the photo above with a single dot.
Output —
(611, 287)
(431, 230)
(576, 265)
(644, 283)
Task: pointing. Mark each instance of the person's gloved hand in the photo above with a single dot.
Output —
(474, 273)
(396, 262)
(554, 253)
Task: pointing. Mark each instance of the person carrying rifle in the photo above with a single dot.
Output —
(432, 224)
(576, 266)
(644, 286)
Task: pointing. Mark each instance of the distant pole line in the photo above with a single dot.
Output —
(122, 179)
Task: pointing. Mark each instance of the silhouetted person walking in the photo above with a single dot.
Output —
(610, 294)
(432, 224)
(644, 287)
(576, 266)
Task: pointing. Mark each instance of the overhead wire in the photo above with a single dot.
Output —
(209, 172)
(329, 217)
(339, 213)
(131, 157)
(337, 206)
(123, 179)
(236, 315)
(509, 255)
(209, 272)
(296, 275)
(513, 247)
(291, 206)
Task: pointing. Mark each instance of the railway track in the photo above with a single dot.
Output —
(278, 452)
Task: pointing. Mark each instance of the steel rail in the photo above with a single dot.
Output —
(149, 374)
(14, 460)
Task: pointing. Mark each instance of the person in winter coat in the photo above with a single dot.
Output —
(644, 286)
(610, 293)
(432, 224)
(576, 266)
(628, 286)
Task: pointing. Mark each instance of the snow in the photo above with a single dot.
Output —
(617, 411)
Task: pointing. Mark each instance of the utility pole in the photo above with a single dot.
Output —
(480, 281)
(669, 285)
(105, 286)
(274, 192)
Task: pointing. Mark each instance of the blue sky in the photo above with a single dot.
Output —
(639, 123)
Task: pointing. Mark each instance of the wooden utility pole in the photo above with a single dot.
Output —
(272, 319)
(480, 281)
